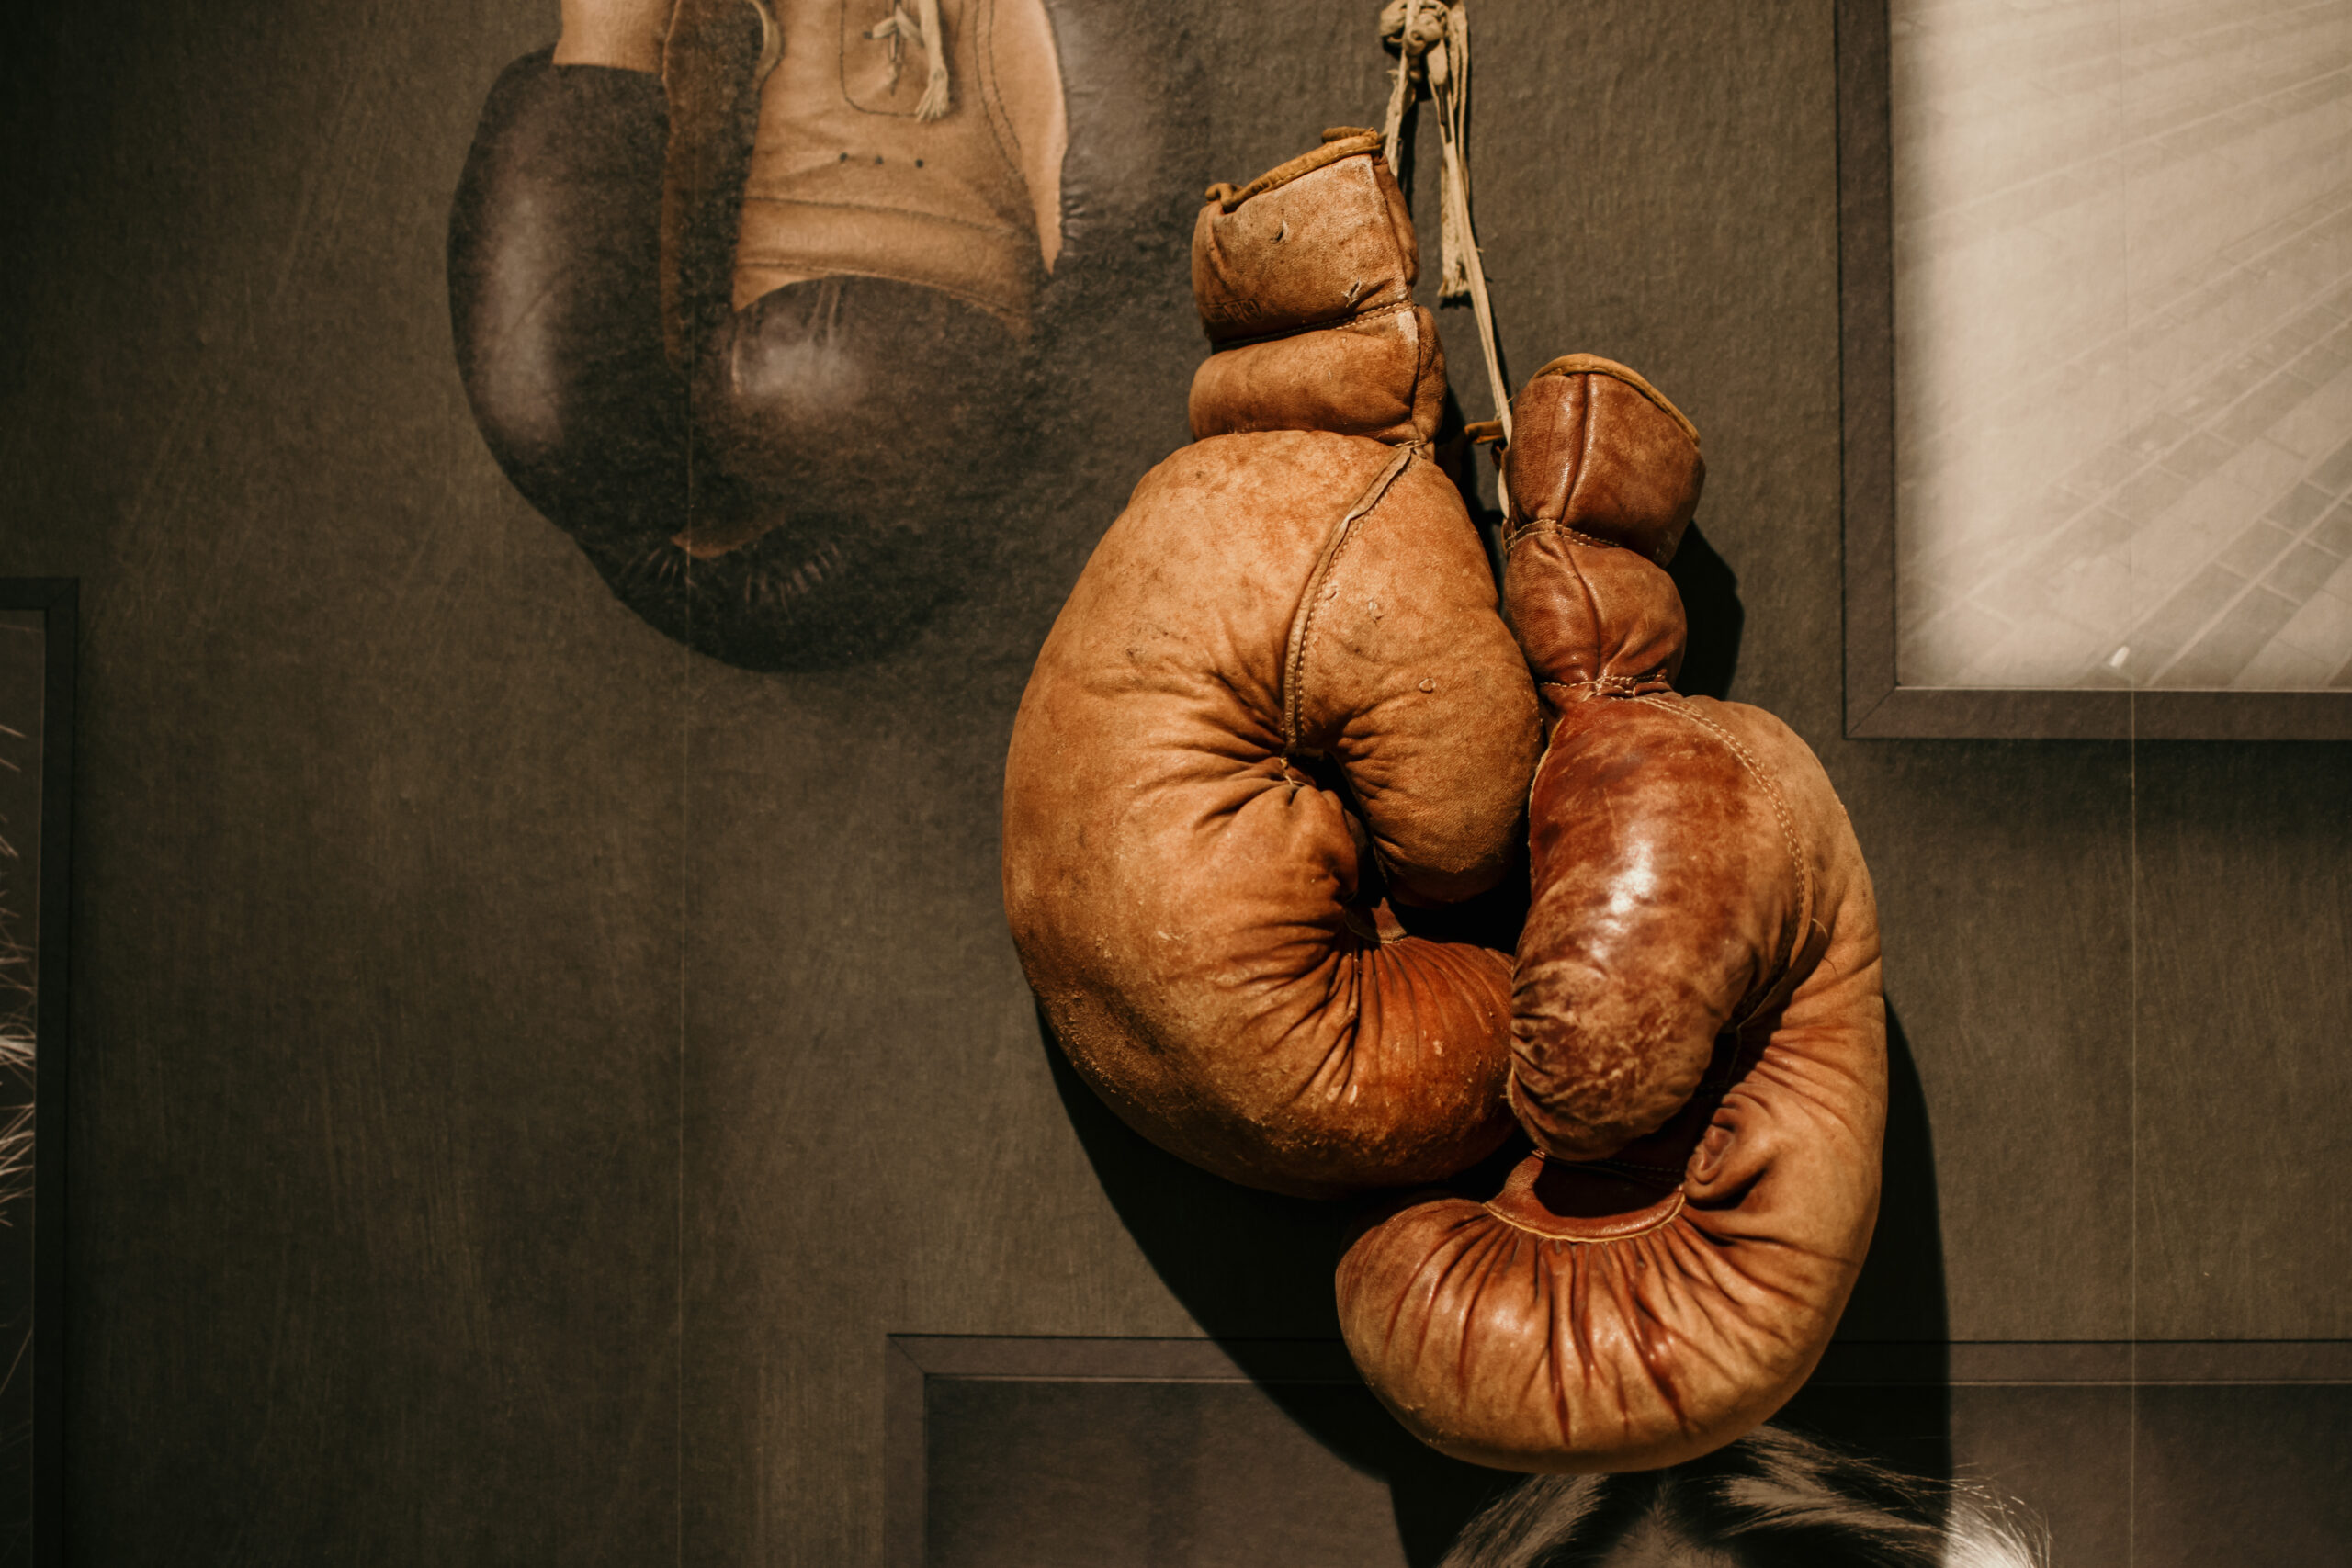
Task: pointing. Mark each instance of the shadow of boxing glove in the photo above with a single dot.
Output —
(829, 233)
(1277, 730)
(1698, 1035)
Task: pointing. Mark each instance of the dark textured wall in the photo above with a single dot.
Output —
(528, 1070)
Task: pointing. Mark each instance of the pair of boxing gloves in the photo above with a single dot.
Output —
(1282, 735)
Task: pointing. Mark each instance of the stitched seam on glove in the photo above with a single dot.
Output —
(1348, 144)
(1530, 529)
(1328, 324)
(1310, 605)
(1594, 364)
(1659, 1223)
(1641, 686)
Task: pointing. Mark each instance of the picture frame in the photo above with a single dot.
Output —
(997, 1448)
(1877, 702)
(1000, 1449)
(38, 623)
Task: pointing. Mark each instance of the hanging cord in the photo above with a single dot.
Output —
(1432, 41)
(1448, 72)
(924, 29)
(1422, 21)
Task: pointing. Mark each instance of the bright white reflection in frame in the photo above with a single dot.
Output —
(2124, 343)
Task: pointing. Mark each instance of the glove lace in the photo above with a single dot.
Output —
(1432, 41)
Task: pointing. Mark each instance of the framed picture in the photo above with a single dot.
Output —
(1038, 1452)
(37, 642)
(2096, 287)
(1042, 1452)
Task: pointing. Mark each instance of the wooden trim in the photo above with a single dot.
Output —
(993, 1359)
(1877, 705)
(914, 1360)
(2036, 1363)
(905, 1456)
(1866, 356)
(1049, 1358)
(911, 1360)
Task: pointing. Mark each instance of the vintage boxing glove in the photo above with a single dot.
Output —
(759, 330)
(1698, 1037)
(1278, 728)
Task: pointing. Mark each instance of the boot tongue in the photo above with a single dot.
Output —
(886, 141)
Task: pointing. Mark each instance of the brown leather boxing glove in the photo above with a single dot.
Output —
(1277, 718)
(1698, 1037)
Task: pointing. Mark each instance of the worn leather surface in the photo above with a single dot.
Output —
(1600, 451)
(1698, 1035)
(1277, 729)
(855, 434)
(1380, 374)
(1334, 343)
(1340, 206)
